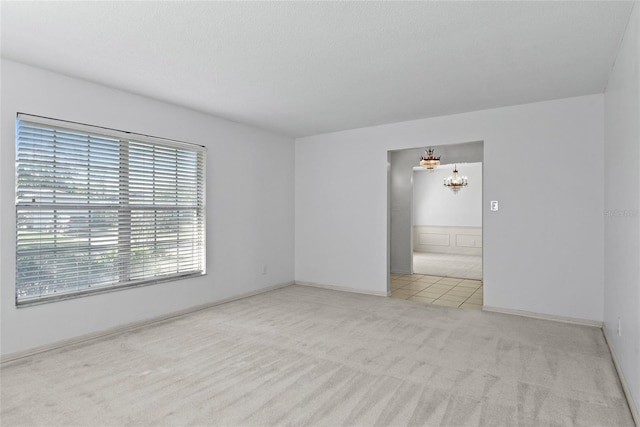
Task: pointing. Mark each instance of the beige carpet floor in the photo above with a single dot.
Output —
(306, 356)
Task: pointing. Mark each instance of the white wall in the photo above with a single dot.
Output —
(249, 206)
(434, 204)
(542, 250)
(400, 207)
(622, 204)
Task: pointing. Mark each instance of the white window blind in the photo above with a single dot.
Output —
(99, 209)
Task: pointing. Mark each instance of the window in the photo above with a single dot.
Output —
(99, 209)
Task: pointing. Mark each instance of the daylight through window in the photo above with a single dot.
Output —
(98, 209)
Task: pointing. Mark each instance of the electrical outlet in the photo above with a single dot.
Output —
(264, 269)
(494, 206)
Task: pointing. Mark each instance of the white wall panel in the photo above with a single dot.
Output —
(447, 240)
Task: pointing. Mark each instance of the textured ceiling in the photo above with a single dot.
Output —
(304, 68)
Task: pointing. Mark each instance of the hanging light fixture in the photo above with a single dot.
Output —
(455, 182)
(430, 162)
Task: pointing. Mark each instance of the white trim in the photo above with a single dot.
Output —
(343, 289)
(134, 325)
(400, 272)
(544, 316)
(625, 386)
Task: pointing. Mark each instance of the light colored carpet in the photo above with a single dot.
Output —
(306, 356)
(448, 265)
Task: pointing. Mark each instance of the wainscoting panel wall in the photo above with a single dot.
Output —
(447, 239)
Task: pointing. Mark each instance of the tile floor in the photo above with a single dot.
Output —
(448, 265)
(447, 291)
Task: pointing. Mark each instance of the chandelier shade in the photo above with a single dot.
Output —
(430, 162)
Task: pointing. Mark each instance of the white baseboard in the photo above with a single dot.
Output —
(625, 386)
(134, 325)
(553, 317)
(400, 272)
(343, 289)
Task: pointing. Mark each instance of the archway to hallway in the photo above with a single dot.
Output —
(435, 235)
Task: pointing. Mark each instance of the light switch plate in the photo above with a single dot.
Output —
(494, 206)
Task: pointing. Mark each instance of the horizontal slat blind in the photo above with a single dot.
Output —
(96, 211)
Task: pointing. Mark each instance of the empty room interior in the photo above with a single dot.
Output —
(320, 213)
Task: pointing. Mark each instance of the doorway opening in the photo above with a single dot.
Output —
(447, 226)
(435, 234)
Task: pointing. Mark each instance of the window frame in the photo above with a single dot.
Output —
(126, 139)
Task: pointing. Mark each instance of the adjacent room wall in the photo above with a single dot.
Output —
(622, 208)
(542, 250)
(447, 240)
(443, 221)
(434, 204)
(401, 163)
(249, 206)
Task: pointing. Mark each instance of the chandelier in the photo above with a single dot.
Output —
(455, 182)
(430, 162)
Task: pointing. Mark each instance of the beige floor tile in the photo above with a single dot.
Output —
(443, 282)
(446, 281)
(416, 286)
(445, 303)
(426, 276)
(455, 298)
(424, 282)
(403, 291)
(427, 294)
(467, 286)
(460, 292)
(449, 280)
(442, 288)
(430, 291)
(423, 300)
(428, 279)
(444, 291)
